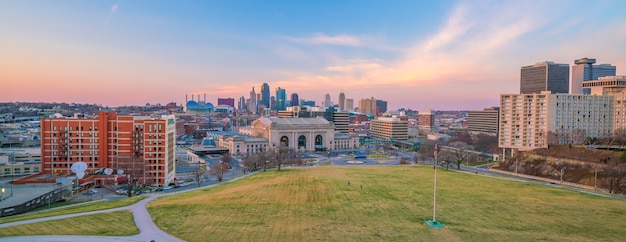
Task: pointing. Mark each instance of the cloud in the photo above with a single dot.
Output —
(113, 10)
(322, 39)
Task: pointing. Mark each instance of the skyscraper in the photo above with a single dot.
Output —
(350, 105)
(342, 101)
(241, 104)
(252, 104)
(327, 102)
(544, 76)
(585, 70)
(265, 95)
(381, 106)
(368, 106)
(294, 100)
(281, 96)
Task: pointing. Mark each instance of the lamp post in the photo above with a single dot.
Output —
(595, 180)
(2, 196)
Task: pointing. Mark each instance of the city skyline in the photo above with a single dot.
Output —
(445, 55)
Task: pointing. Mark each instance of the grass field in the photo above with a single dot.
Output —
(75, 209)
(316, 204)
(119, 223)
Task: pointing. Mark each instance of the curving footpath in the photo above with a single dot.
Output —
(148, 231)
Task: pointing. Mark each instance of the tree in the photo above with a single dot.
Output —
(132, 168)
(199, 172)
(457, 152)
(622, 157)
(283, 154)
(219, 169)
(226, 158)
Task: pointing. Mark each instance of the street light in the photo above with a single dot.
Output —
(2, 196)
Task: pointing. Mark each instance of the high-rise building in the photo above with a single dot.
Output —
(483, 121)
(585, 70)
(281, 97)
(544, 76)
(294, 100)
(350, 105)
(327, 102)
(265, 95)
(342, 101)
(381, 106)
(252, 104)
(241, 104)
(141, 146)
(368, 106)
(614, 86)
(528, 121)
(426, 120)
(309, 103)
(389, 128)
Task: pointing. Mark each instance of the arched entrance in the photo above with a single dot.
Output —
(284, 141)
(302, 142)
(319, 143)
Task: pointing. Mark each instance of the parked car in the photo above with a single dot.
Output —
(90, 192)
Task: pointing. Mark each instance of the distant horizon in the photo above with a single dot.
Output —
(442, 55)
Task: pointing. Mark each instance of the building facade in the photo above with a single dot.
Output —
(389, 128)
(544, 76)
(302, 134)
(342, 102)
(426, 120)
(368, 106)
(484, 121)
(585, 70)
(138, 144)
(349, 105)
(528, 120)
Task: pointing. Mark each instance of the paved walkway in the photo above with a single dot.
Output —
(148, 231)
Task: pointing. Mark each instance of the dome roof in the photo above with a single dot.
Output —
(195, 105)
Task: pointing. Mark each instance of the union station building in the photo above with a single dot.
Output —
(301, 134)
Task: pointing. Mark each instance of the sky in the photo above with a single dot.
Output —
(442, 55)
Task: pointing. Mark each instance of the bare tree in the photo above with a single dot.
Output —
(219, 169)
(227, 159)
(458, 152)
(199, 172)
(132, 168)
(283, 154)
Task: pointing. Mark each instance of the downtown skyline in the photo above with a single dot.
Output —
(445, 55)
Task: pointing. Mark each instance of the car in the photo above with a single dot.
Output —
(159, 189)
(90, 192)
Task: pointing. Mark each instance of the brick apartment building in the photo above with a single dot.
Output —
(139, 145)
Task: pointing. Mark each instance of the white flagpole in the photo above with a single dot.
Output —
(435, 187)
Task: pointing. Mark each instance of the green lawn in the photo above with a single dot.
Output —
(119, 223)
(316, 204)
(76, 209)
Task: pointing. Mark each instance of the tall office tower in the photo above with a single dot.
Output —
(241, 104)
(350, 105)
(327, 102)
(381, 106)
(281, 97)
(483, 121)
(585, 70)
(342, 102)
(265, 95)
(253, 103)
(272, 103)
(142, 146)
(294, 100)
(544, 76)
(368, 106)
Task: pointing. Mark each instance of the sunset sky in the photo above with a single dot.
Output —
(444, 55)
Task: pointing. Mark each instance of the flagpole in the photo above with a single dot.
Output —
(435, 187)
(434, 223)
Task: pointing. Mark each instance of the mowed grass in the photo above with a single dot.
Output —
(316, 204)
(73, 209)
(119, 223)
